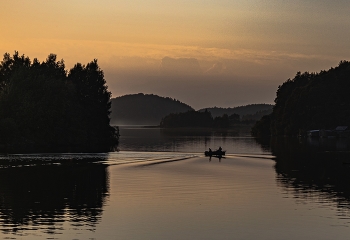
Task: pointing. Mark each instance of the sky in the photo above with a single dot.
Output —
(205, 53)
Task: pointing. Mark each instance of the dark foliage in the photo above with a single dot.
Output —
(222, 122)
(311, 101)
(187, 119)
(44, 108)
(256, 116)
(262, 127)
(247, 112)
(195, 119)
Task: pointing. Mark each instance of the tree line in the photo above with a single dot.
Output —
(44, 107)
(309, 101)
(201, 119)
(245, 110)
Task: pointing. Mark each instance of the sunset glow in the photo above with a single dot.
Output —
(244, 49)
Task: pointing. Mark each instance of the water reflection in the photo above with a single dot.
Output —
(49, 198)
(187, 140)
(218, 157)
(316, 169)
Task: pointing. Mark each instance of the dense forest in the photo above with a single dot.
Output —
(44, 107)
(309, 101)
(197, 119)
(250, 111)
(144, 109)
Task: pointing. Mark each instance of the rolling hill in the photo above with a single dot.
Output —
(144, 109)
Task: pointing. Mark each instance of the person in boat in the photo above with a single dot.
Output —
(220, 149)
(210, 150)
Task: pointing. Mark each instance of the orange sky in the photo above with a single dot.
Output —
(241, 50)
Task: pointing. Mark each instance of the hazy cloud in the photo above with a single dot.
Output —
(217, 68)
(198, 91)
(180, 66)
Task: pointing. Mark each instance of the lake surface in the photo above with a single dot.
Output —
(160, 186)
(189, 141)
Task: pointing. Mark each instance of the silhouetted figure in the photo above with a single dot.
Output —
(220, 149)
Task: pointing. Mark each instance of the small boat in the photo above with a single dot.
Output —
(215, 153)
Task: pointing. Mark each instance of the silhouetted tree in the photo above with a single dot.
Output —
(194, 119)
(10, 65)
(222, 122)
(262, 127)
(311, 101)
(188, 119)
(50, 109)
(94, 100)
(240, 110)
(234, 119)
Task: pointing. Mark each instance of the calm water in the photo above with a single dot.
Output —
(195, 141)
(160, 186)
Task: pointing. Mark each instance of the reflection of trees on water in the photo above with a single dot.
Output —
(194, 140)
(47, 197)
(207, 132)
(317, 171)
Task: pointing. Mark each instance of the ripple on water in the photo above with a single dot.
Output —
(114, 158)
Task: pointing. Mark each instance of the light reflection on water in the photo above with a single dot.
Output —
(39, 197)
(187, 140)
(113, 158)
(281, 189)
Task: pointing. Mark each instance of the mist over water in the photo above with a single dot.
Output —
(160, 186)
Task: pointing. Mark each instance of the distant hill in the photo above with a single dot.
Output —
(144, 109)
(250, 109)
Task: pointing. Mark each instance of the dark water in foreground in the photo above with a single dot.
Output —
(159, 186)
